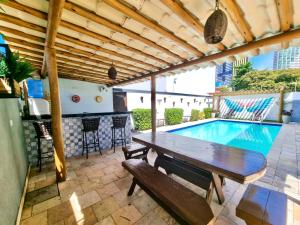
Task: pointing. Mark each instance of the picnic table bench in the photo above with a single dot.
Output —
(182, 203)
(263, 206)
(204, 160)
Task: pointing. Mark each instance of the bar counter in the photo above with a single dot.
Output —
(72, 127)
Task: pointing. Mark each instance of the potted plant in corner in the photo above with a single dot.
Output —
(15, 69)
(286, 116)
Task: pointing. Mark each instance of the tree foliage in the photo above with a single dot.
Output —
(18, 68)
(266, 80)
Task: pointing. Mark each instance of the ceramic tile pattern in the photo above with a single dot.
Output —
(72, 127)
(95, 191)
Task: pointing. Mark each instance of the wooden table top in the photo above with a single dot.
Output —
(241, 165)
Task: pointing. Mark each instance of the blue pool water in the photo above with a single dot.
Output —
(250, 136)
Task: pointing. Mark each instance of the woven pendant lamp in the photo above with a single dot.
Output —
(112, 72)
(215, 26)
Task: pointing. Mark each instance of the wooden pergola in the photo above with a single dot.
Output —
(80, 40)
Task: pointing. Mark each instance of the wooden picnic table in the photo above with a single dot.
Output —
(242, 166)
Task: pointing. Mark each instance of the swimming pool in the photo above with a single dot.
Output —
(245, 135)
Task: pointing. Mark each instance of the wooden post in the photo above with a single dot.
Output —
(281, 104)
(153, 102)
(58, 140)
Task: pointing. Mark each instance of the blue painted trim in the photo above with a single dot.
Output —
(232, 121)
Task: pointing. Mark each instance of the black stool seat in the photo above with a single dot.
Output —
(90, 125)
(119, 122)
(43, 131)
(136, 151)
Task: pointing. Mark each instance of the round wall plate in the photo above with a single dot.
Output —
(76, 98)
(99, 99)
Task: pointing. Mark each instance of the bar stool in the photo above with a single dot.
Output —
(43, 131)
(90, 125)
(119, 122)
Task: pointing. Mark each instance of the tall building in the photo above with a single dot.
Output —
(287, 59)
(224, 74)
(226, 71)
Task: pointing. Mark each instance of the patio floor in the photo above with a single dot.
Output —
(95, 192)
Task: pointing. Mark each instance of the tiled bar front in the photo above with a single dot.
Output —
(72, 131)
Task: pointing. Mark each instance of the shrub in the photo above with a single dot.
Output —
(201, 115)
(141, 119)
(173, 116)
(207, 112)
(194, 115)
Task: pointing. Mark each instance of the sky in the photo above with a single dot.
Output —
(263, 62)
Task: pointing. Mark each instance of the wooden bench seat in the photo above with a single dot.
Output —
(197, 176)
(136, 151)
(262, 206)
(185, 205)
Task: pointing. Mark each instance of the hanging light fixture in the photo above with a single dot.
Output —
(215, 26)
(112, 72)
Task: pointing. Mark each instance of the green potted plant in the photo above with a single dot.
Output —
(286, 116)
(14, 70)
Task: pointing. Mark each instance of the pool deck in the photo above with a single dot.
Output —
(95, 192)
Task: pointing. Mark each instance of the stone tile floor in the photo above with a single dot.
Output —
(95, 191)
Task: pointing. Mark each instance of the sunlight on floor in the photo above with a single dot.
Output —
(79, 216)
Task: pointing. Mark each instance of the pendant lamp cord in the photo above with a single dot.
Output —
(217, 5)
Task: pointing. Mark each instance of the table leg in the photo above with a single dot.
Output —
(218, 186)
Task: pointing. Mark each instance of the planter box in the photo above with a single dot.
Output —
(286, 119)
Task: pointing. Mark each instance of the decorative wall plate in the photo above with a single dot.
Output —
(99, 99)
(75, 98)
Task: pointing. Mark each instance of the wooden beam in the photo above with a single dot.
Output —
(84, 73)
(54, 16)
(14, 20)
(97, 48)
(284, 8)
(104, 39)
(233, 51)
(23, 8)
(19, 22)
(118, 28)
(67, 60)
(107, 40)
(72, 77)
(238, 18)
(153, 103)
(281, 103)
(189, 19)
(72, 52)
(58, 140)
(49, 63)
(133, 13)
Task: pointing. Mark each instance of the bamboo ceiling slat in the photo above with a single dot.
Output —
(110, 41)
(151, 24)
(144, 38)
(64, 67)
(70, 66)
(79, 29)
(67, 59)
(285, 16)
(116, 27)
(188, 19)
(72, 52)
(74, 72)
(77, 42)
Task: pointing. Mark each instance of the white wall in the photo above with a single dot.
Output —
(87, 92)
(199, 82)
(134, 101)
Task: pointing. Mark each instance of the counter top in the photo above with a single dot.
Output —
(75, 115)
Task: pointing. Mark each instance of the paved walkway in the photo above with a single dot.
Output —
(95, 192)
